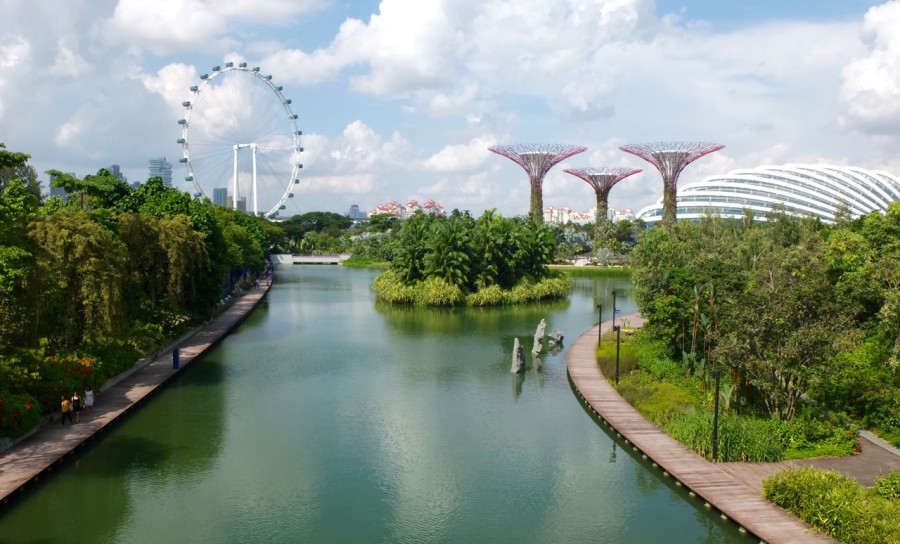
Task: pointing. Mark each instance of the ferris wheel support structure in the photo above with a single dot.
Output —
(235, 185)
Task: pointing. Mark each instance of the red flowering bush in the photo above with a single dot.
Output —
(19, 413)
(62, 376)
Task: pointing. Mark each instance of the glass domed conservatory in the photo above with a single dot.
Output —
(815, 190)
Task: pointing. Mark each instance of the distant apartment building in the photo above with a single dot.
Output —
(116, 171)
(160, 167)
(400, 211)
(220, 196)
(356, 214)
(561, 216)
(241, 203)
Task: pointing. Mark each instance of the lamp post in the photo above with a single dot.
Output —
(614, 309)
(599, 323)
(618, 330)
(715, 433)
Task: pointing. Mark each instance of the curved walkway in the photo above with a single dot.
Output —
(720, 488)
(39, 452)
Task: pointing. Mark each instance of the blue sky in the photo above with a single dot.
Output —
(400, 99)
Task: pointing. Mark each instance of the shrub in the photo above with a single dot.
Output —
(491, 295)
(888, 487)
(740, 438)
(606, 355)
(835, 504)
(529, 291)
(436, 291)
(390, 288)
(19, 413)
(657, 401)
(63, 375)
(814, 433)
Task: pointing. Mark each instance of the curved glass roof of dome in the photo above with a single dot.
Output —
(803, 189)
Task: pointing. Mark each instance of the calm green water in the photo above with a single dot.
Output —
(327, 417)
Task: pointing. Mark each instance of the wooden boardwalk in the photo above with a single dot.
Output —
(719, 488)
(36, 455)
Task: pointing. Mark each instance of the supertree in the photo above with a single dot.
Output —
(602, 180)
(670, 158)
(537, 160)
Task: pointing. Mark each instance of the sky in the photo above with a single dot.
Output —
(400, 99)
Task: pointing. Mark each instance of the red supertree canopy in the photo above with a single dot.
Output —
(602, 178)
(537, 159)
(670, 158)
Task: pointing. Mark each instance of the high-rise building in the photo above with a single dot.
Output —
(241, 203)
(160, 167)
(59, 191)
(116, 171)
(356, 214)
(220, 196)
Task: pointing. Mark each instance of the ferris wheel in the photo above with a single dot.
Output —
(240, 141)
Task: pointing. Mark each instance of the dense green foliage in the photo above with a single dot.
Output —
(491, 260)
(838, 505)
(682, 405)
(90, 284)
(786, 310)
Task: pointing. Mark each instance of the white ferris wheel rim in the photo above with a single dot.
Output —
(296, 149)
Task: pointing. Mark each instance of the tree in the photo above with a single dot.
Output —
(787, 329)
(412, 246)
(154, 198)
(78, 282)
(447, 253)
(383, 222)
(18, 205)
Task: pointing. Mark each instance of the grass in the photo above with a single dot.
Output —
(592, 271)
(358, 262)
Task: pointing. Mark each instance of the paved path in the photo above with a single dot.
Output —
(723, 489)
(36, 455)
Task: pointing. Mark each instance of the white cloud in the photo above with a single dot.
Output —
(170, 26)
(352, 183)
(13, 53)
(166, 26)
(68, 62)
(460, 157)
(172, 82)
(871, 85)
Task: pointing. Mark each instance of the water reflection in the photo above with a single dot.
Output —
(327, 417)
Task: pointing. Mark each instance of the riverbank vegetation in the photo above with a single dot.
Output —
(489, 261)
(90, 284)
(801, 320)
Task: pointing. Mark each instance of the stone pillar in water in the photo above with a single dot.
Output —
(539, 337)
(518, 358)
(556, 338)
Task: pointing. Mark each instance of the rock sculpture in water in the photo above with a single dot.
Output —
(556, 338)
(518, 358)
(539, 337)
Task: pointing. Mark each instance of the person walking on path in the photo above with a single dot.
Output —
(88, 398)
(76, 406)
(65, 407)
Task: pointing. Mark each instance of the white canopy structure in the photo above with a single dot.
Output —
(815, 190)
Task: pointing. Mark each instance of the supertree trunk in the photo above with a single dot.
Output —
(602, 180)
(537, 202)
(601, 217)
(670, 204)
